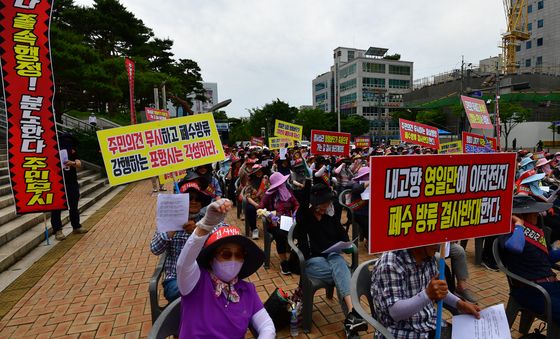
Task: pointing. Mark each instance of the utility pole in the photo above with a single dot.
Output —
(156, 97)
(497, 105)
(163, 97)
(460, 120)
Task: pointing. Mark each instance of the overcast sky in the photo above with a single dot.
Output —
(260, 50)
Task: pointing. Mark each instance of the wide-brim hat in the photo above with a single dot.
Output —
(320, 194)
(339, 160)
(362, 172)
(523, 204)
(542, 162)
(255, 169)
(254, 256)
(529, 176)
(277, 179)
(526, 161)
(205, 197)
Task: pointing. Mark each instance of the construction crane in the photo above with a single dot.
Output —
(516, 18)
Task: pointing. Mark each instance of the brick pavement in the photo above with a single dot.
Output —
(99, 288)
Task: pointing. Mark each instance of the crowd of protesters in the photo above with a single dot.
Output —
(294, 183)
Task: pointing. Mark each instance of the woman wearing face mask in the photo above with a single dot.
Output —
(254, 192)
(215, 301)
(318, 230)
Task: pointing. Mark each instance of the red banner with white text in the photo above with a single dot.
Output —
(419, 134)
(33, 158)
(430, 199)
(153, 114)
(476, 143)
(129, 65)
(362, 142)
(330, 143)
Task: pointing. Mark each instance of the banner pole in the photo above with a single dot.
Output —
(175, 183)
(441, 277)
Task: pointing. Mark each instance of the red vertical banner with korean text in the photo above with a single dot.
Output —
(330, 143)
(477, 113)
(419, 134)
(27, 78)
(362, 142)
(430, 199)
(257, 141)
(476, 143)
(129, 65)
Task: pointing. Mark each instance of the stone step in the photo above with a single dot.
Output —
(6, 200)
(3, 163)
(5, 179)
(3, 157)
(4, 171)
(26, 241)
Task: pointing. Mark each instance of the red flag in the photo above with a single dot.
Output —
(129, 64)
(34, 160)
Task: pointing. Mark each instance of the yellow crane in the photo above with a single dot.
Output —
(516, 17)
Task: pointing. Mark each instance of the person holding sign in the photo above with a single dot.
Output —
(280, 199)
(254, 192)
(359, 202)
(172, 242)
(318, 230)
(215, 300)
(405, 287)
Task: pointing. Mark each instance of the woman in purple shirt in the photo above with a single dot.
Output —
(215, 302)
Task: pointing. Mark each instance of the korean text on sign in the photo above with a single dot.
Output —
(419, 134)
(362, 142)
(477, 113)
(153, 114)
(475, 143)
(330, 143)
(454, 147)
(429, 199)
(142, 151)
(34, 161)
(257, 141)
(278, 143)
(288, 130)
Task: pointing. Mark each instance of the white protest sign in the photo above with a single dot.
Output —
(64, 158)
(286, 223)
(283, 152)
(493, 324)
(172, 212)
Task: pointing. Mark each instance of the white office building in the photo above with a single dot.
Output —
(365, 82)
(541, 53)
(211, 89)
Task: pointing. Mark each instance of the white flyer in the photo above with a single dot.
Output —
(64, 158)
(338, 247)
(172, 212)
(286, 223)
(365, 194)
(283, 152)
(492, 324)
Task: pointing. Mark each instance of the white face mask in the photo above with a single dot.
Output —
(226, 271)
(330, 210)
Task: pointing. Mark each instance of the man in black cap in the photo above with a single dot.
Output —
(529, 256)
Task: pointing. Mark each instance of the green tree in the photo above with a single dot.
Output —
(315, 118)
(239, 130)
(268, 114)
(432, 118)
(511, 115)
(355, 125)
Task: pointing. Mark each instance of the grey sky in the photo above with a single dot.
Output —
(260, 50)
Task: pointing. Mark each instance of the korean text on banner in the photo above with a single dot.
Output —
(278, 143)
(129, 66)
(430, 199)
(362, 142)
(168, 177)
(257, 141)
(476, 143)
(453, 147)
(288, 130)
(33, 157)
(330, 143)
(153, 114)
(419, 134)
(142, 151)
(477, 113)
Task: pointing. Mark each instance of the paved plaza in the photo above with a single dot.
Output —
(96, 285)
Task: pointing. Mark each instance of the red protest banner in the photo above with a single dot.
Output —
(153, 114)
(419, 134)
(33, 158)
(362, 142)
(330, 143)
(476, 143)
(427, 199)
(129, 65)
(477, 113)
(257, 141)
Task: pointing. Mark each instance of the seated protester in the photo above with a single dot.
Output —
(404, 287)
(282, 166)
(528, 255)
(231, 177)
(342, 180)
(460, 269)
(213, 188)
(317, 231)
(321, 172)
(215, 301)
(359, 206)
(299, 179)
(280, 199)
(254, 192)
(172, 242)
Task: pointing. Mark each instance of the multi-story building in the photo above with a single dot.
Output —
(541, 53)
(367, 83)
(211, 89)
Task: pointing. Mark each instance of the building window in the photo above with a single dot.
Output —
(517, 48)
(400, 70)
(320, 86)
(528, 63)
(540, 4)
(373, 110)
(348, 85)
(539, 60)
(321, 97)
(530, 26)
(394, 83)
(370, 96)
(347, 99)
(350, 55)
(343, 73)
(539, 41)
(540, 23)
(528, 45)
(530, 9)
(371, 67)
(373, 82)
(349, 111)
